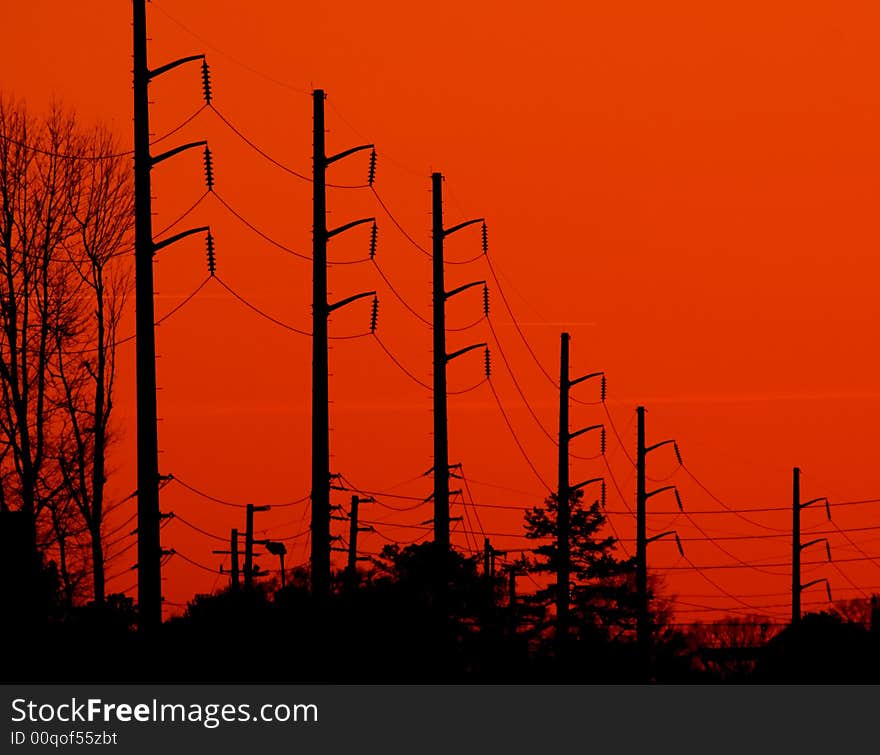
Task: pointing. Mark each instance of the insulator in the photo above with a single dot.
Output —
(212, 262)
(206, 81)
(603, 440)
(372, 174)
(603, 391)
(828, 550)
(678, 543)
(677, 453)
(374, 315)
(488, 363)
(374, 238)
(485, 300)
(485, 239)
(604, 495)
(209, 169)
(678, 499)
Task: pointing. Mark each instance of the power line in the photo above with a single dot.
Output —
(719, 546)
(467, 390)
(519, 389)
(95, 157)
(397, 225)
(235, 504)
(177, 307)
(430, 527)
(236, 61)
(516, 438)
(470, 496)
(400, 298)
(257, 149)
(785, 564)
(252, 227)
(178, 127)
(200, 530)
(465, 262)
(373, 493)
(732, 510)
(614, 482)
(182, 217)
(184, 302)
(272, 160)
(719, 587)
(858, 548)
(617, 434)
(189, 560)
(525, 341)
(261, 312)
(466, 327)
(400, 364)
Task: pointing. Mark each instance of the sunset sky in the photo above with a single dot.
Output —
(689, 189)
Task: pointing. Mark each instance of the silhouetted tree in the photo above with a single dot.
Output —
(101, 209)
(65, 212)
(602, 603)
(855, 610)
(728, 649)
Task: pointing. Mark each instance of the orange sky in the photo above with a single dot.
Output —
(689, 190)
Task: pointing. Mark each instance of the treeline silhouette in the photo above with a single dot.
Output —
(397, 624)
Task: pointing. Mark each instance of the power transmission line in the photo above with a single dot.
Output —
(516, 439)
(236, 61)
(176, 478)
(400, 365)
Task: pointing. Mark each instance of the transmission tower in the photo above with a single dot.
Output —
(149, 545)
(565, 489)
(442, 359)
(797, 546)
(321, 309)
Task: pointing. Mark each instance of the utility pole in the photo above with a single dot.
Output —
(565, 490)
(321, 309)
(353, 529)
(233, 546)
(642, 622)
(148, 516)
(488, 560)
(441, 359)
(249, 544)
(233, 552)
(796, 546)
(643, 618)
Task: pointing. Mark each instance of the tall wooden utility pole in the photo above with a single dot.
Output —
(643, 616)
(441, 359)
(565, 490)
(149, 546)
(249, 544)
(321, 309)
(233, 552)
(148, 516)
(796, 546)
(353, 529)
(234, 579)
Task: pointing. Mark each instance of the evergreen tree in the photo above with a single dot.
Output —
(602, 599)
